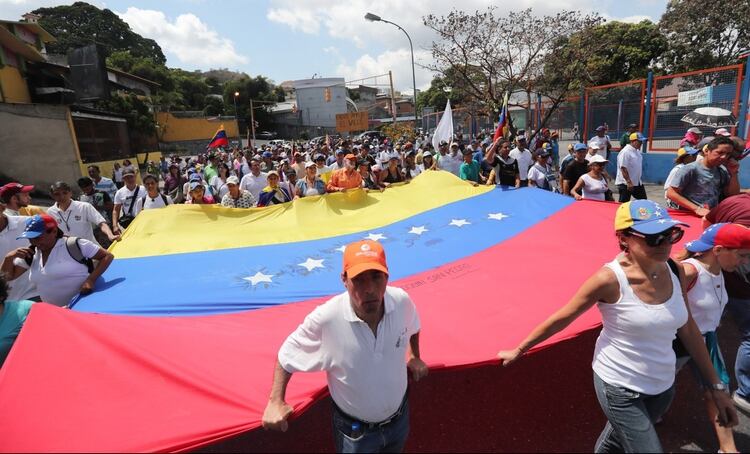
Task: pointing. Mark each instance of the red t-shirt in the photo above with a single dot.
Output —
(735, 209)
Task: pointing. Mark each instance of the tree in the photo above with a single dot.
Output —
(81, 24)
(487, 55)
(624, 51)
(704, 35)
(442, 88)
(257, 88)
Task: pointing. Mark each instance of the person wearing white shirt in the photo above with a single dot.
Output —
(602, 140)
(255, 180)
(523, 157)
(451, 161)
(58, 276)
(630, 169)
(152, 198)
(362, 339)
(12, 227)
(76, 218)
(125, 208)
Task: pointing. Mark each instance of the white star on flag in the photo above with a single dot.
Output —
(375, 237)
(341, 249)
(418, 230)
(311, 263)
(459, 222)
(497, 216)
(662, 221)
(258, 278)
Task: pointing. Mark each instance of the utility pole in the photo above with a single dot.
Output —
(252, 122)
(393, 97)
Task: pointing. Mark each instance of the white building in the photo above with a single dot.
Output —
(319, 100)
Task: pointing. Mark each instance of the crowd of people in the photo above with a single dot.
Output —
(643, 295)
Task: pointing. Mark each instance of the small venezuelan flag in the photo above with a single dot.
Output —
(219, 139)
(502, 123)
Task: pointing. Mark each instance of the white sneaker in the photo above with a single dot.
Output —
(741, 402)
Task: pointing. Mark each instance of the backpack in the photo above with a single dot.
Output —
(74, 249)
(163, 198)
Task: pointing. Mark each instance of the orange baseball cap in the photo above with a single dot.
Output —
(363, 256)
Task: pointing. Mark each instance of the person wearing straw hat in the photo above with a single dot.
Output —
(367, 341)
(641, 297)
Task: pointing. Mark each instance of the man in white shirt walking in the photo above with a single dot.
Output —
(630, 169)
(523, 157)
(361, 338)
(76, 218)
(602, 140)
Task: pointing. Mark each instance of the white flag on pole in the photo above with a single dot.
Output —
(444, 130)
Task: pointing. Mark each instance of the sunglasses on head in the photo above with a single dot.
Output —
(672, 235)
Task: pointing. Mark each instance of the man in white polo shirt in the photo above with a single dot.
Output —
(76, 218)
(630, 169)
(361, 338)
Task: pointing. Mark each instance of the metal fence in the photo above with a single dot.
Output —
(678, 94)
(657, 111)
(615, 106)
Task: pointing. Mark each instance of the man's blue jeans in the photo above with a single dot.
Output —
(631, 416)
(740, 309)
(389, 438)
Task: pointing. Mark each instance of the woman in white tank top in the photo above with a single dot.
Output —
(592, 185)
(642, 303)
(721, 247)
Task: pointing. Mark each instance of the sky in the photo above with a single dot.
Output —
(296, 39)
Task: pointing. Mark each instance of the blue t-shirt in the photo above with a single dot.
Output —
(11, 320)
(701, 185)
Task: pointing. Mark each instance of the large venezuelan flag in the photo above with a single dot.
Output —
(175, 349)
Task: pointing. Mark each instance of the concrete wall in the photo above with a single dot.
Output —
(37, 145)
(656, 167)
(173, 129)
(13, 85)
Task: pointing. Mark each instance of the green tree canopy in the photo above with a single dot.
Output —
(705, 34)
(81, 24)
(624, 52)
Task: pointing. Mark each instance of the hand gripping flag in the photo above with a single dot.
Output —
(502, 123)
(219, 139)
(161, 359)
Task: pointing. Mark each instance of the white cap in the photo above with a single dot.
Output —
(695, 131)
(426, 154)
(596, 158)
(723, 132)
(595, 146)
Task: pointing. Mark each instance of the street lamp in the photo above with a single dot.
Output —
(374, 18)
(236, 117)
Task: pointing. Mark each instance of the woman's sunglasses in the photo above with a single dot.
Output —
(672, 235)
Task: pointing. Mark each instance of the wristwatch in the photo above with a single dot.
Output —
(719, 387)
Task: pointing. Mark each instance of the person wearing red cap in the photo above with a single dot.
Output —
(345, 178)
(641, 297)
(61, 267)
(736, 209)
(721, 247)
(362, 339)
(15, 196)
